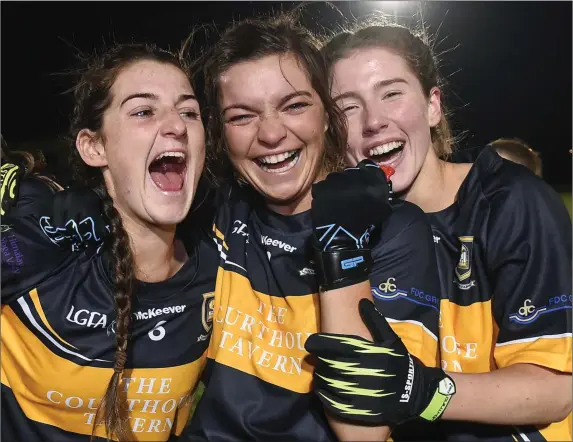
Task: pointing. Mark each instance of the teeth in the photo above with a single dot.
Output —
(289, 166)
(385, 148)
(171, 154)
(273, 159)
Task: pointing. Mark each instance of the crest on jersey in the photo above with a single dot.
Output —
(464, 267)
(207, 310)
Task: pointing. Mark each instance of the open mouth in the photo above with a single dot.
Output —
(386, 153)
(279, 163)
(168, 171)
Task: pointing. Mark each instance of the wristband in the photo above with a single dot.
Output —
(440, 400)
(340, 268)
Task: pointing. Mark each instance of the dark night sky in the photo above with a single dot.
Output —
(510, 74)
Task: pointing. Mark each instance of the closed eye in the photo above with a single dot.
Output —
(191, 114)
(349, 108)
(392, 94)
(239, 118)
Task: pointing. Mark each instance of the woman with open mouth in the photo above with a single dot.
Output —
(502, 238)
(109, 341)
(275, 135)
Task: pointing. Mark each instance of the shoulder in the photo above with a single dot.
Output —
(509, 186)
(406, 229)
(404, 217)
(34, 197)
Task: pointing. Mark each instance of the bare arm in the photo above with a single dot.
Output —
(339, 314)
(515, 395)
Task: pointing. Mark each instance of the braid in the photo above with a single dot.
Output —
(112, 409)
(92, 97)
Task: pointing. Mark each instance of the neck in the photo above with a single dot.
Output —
(156, 253)
(292, 207)
(299, 204)
(437, 184)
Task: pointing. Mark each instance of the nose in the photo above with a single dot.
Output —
(271, 131)
(373, 121)
(173, 125)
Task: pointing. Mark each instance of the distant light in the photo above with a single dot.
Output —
(391, 6)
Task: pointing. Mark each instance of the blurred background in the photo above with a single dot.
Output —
(508, 64)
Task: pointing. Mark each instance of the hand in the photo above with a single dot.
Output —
(76, 220)
(10, 177)
(376, 382)
(346, 207)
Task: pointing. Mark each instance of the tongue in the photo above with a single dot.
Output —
(167, 176)
(169, 181)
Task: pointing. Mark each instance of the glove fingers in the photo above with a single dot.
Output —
(333, 345)
(375, 322)
(11, 176)
(345, 408)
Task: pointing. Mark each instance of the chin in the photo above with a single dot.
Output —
(168, 215)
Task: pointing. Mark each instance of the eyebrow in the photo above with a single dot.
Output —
(282, 101)
(377, 86)
(180, 99)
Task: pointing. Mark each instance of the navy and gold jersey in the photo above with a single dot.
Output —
(58, 334)
(504, 256)
(258, 377)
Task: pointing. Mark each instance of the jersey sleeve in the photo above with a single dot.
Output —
(405, 281)
(529, 260)
(28, 254)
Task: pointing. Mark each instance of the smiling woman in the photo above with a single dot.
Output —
(273, 119)
(295, 241)
(502, 238)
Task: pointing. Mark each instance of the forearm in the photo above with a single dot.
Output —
(339, 314)
(517, 395)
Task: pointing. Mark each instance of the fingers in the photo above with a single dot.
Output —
(375, 322)
(333, 345)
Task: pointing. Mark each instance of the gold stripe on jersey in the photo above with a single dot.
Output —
(55, 391)
(40, 310)
(467, 336)
(419, 342)
(559, 431)
(548, 351)
(219, 235)
(263, 335)
(471, 348)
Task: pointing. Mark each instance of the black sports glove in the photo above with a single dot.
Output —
(10, 177)
(76, 220)
(376, 382)
(346, 207)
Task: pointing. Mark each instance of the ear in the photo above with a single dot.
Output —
(91, 148)
(434, 107)
(326, 121)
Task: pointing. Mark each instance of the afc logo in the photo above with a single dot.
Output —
(388, 286)
(463, 269)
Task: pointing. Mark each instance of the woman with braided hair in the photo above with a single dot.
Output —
(109, 342)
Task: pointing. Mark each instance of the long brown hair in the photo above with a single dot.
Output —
(92, 95)
(253, 39)
(414, 47)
